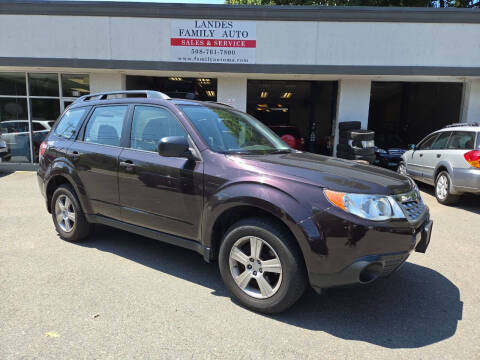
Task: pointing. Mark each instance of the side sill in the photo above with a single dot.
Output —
(157, 235)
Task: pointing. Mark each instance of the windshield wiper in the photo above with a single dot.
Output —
(280, 151)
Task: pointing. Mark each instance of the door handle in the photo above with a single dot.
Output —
(75, 155)
(420, 155)
(127, 164)
(438, 155)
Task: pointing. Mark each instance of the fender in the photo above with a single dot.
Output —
(64, 167)
(265, 197)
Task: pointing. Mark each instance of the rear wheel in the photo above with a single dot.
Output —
(442, 189)
(68, 216)
(262, 266)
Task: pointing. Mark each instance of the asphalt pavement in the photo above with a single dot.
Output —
(119, 295)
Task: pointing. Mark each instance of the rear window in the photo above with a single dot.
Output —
(462, 140)
(70, 122)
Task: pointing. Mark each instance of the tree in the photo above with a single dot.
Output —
(402, 3)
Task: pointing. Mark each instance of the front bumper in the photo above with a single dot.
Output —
(349, 250)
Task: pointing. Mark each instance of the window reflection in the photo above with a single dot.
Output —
(46, 101)
(74, 85)
(14, 130)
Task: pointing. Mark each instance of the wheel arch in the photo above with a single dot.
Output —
(59, 175)
(442, 166)
(223, 210)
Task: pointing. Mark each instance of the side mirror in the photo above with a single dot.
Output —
(175, 146)
(412, 146)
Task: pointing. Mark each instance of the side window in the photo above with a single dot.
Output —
(150, 124)
(427, 143)
(441, 141)
(462, 140)
(105, 125)
(70, 122)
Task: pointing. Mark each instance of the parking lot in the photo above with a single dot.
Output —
(120, 295)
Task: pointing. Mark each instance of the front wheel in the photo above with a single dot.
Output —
(262, 266)
(442, 189)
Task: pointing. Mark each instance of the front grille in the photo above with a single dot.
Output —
(412, 204)
(396, 152)
(413, 209)
(392, 263)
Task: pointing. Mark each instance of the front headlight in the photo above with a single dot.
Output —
(371, 207)
(380, 151)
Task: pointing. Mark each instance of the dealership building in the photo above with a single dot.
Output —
(402, 72)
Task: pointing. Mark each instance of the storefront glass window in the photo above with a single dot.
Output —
(47, 96)
(74, 85)
(45, 109)
(14, 130)
(12, 84)
(43, 84)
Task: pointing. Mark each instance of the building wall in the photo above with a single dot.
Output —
(278, 42)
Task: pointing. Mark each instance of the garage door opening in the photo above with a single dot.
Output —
(403, 113)
(204, 89)
(296, 109)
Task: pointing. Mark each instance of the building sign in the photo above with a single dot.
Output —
(213, 41)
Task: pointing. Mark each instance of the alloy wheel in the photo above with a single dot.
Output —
(442, 187)
(65, 213)
(255, 267)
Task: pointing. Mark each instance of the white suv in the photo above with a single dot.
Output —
(449, 159)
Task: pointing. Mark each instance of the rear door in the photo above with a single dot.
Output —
(95, 156)
(433, 156)
(459, 144)
(156, 192)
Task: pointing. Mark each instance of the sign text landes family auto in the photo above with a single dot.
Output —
(213, 41)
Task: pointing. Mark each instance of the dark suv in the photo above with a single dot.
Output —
(215, 180)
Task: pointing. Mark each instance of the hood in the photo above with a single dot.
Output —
(328, 172)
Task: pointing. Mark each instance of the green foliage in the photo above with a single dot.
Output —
(402, 3)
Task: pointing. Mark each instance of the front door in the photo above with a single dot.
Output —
(156, 192)
(95, 157)
(433, 156)
(415, 161)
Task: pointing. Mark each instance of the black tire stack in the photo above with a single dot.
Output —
(350, 142)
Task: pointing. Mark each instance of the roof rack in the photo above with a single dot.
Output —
(104, 95)
(219, 103)
(462, 124)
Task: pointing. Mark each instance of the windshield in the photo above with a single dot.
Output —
(232, 132)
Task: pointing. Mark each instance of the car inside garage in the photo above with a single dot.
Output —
(403, 113)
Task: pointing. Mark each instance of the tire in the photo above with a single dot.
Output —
(355, 150)
(344, 155)
(78, 227)
(349, 125)
(442, 189)
(361, 135)
(285, 288)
